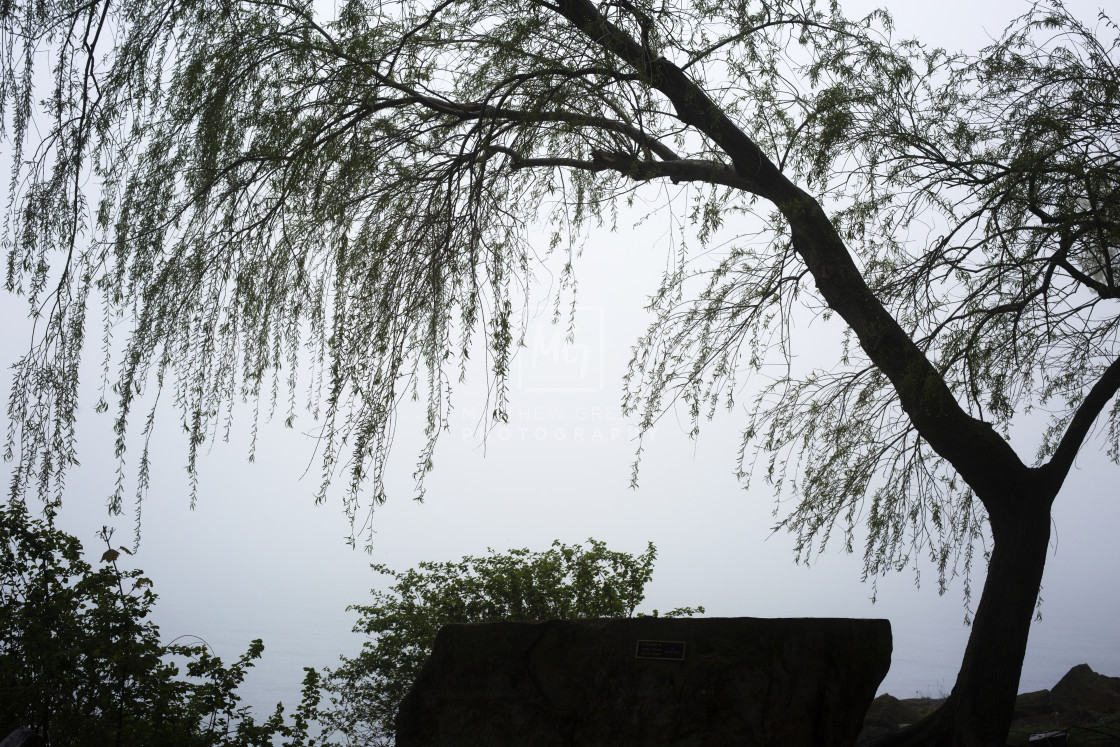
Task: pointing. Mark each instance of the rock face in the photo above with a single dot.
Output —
(746, 681)
(1081, 687)
(22, 737)
(1081, 697)
(889, 712)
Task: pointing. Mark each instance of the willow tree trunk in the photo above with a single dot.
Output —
(978, 712)
(1017, 497)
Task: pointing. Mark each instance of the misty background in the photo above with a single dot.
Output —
(256, 558)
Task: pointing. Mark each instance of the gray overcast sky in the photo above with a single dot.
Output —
(256, 558)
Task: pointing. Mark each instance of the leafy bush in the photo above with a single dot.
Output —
(82, 664)
(564, 582)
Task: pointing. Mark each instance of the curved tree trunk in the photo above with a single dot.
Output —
(1018, 498)
(978, 711)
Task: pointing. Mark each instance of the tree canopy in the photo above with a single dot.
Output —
(249, 190)
(274, 192)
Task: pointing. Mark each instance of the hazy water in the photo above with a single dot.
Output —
(294, 637)
(926, 655)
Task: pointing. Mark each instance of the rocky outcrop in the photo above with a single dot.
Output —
(647, 681)
(889, 712)
(1082, 688)
(1080, 697)
(22, 737)
(1030, 705)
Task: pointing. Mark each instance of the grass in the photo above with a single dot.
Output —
(1104, 733)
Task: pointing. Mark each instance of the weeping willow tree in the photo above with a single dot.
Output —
(234, 191)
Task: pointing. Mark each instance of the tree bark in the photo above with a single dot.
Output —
(978, 712)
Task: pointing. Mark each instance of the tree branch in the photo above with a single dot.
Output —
(477, 111)
(983, 458)
(1078, 429)
(697, 55)
(693, 106)
(679, 170)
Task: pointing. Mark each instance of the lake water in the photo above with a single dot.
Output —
(926, 654)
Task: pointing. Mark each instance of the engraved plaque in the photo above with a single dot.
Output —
(664, 650)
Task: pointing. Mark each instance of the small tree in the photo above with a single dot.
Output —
(565, 582)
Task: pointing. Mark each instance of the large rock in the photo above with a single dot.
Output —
(22, 737)
(1081, 697)
(748, 681)
(890, 712)
(887, 713)
(1033, 704)
(1083, 688)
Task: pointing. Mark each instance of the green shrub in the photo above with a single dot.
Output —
(81, 662)
(563, 582)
